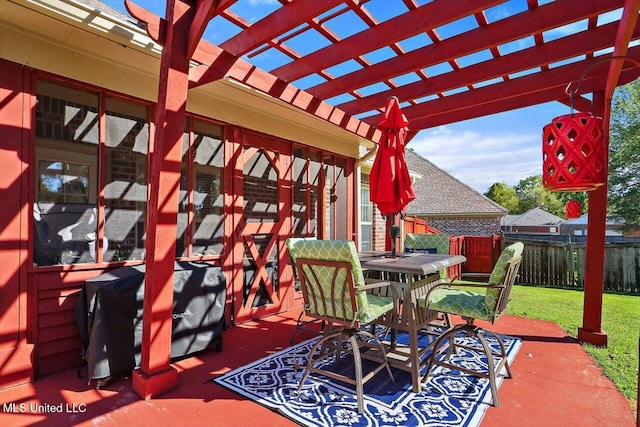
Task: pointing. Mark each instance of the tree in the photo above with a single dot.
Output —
(529, 193)
(624, 155)
(532, 194)
(505, 196)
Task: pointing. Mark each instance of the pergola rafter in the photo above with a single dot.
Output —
(508, 102)
(361, 92)
(283, 20)
(504, 31)
(495, 93)
(411, 23)
(501, 67)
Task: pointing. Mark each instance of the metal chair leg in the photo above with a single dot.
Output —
(492, 368)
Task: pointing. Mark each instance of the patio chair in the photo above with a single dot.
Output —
(301, 324)
(431, 243)
(459, 298)
(334, 290)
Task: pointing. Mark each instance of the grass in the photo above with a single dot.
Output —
(620, 320)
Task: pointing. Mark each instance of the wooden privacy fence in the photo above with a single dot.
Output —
(417, 225)
(548, 260)
(562, 264)
(482, 252)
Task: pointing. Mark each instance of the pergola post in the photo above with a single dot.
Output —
(591, 330)
(155, 375)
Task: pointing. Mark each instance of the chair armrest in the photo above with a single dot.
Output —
(392, 291)
(372, 284)
(474, 285)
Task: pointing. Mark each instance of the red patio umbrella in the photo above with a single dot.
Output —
(390, 184)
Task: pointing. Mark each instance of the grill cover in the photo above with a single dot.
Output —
(109, 315)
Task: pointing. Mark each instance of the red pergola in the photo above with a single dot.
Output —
(505, 79)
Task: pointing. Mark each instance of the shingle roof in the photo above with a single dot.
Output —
(532, 217)
(108, 10)
(441, 194)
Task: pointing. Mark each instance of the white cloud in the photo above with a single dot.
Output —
(480, 160)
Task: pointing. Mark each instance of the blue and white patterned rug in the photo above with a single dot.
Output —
(449, 398)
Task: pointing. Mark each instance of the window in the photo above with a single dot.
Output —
(335, 197)
(125, 190)
(69, 170)
(320, 195)
(306, 180)
(63, 182)
(66, 153)
(201, 206)
(366, 217)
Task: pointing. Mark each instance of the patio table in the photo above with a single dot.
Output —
(412, 275)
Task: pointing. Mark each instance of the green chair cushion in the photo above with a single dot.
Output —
(428, 243)
(378, 306)
(471, 303)
(290, 244)
(458, 301)
(369, 307)
(414, 242)
(500, 269)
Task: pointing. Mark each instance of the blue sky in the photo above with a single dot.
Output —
(504, 147)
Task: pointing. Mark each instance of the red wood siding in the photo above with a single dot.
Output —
(58, 341)
(15, 101)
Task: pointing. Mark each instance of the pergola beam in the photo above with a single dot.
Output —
(286, 18)
(498, 92)
(520, 101)
(156, 27)
(522, 25)
(526, 59)
(225, 65)
(409, 24)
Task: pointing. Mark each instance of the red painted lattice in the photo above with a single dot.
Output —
(573, 153)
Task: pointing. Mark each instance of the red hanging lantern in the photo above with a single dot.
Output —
(573, 153)
(572, 209)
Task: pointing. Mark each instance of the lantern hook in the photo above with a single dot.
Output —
(571, 93)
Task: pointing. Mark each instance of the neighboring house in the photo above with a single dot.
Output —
(446, 203)
(578, 227)
(450, 205)
(534, 220)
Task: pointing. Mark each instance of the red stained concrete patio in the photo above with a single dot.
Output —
(556, 383)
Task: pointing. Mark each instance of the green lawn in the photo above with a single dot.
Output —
(620, 320)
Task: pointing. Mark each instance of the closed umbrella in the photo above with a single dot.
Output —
(390, 184)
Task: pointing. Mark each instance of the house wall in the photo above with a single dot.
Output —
(466, 226)
(380, 231)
